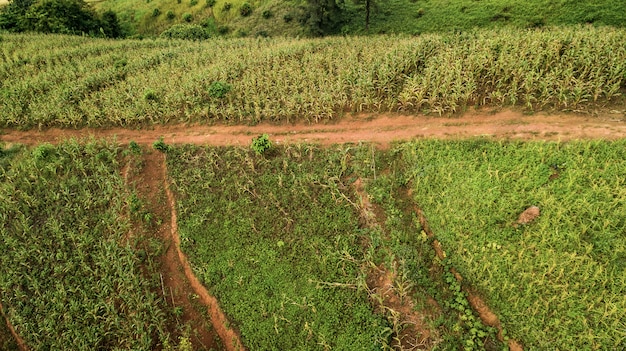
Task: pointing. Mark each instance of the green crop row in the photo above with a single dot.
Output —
(558, 283)
(74, 82)
(68, 278)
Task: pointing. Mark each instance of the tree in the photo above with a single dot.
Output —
(369, 6)
(58, 16)
(322, 17)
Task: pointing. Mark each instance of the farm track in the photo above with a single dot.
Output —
(379, 129)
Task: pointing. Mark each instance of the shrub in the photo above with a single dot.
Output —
(134, 147)
(170, 15)
(267, 14)
(245, 10)
(193, 2)
(156, 13)
(420, 13)
(187, 17)
(226, 7)
(160, 145)
(186, 31)
(261, 144)
(210, 3)
(219, 89)
(287, 18)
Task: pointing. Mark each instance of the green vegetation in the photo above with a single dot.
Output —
(557, 283)
(272, 238)
(58, 16)
(429, 16)
(319, 17)
(73, 81)
(69, 280)
(281, 239)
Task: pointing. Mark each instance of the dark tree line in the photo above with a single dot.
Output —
(58, 16)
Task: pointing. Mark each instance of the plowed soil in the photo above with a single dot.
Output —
(379, 129)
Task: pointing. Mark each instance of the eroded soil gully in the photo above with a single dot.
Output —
(18, 340)
(417, 335)
(480, 307)
(378, 129)
(229, 337)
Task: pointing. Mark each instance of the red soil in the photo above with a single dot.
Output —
(379, 129)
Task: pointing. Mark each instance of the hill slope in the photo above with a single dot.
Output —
(281, 18)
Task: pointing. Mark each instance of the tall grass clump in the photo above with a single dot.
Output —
(74, 81)
(68, 280)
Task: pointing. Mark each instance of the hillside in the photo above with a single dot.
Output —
(283, 18)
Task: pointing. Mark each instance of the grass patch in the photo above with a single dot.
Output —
(559, 282)
(270, 236)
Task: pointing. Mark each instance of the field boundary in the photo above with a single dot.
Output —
(229, 336)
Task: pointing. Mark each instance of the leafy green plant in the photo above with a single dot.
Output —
(160, 145)
(170, 15)
(261, 144)
(186, 31)
(150, 95)
(219, 89)
(187, 17)
(156, 13)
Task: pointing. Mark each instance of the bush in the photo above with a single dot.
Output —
(187, 17)
(267, 14)
(160, 145)
(186, 31)
(210, 3)
(226, 7)
(193, 2)
(245, 10)
(219, 89)
(261, 144)
(170, 15)
(287, 18)
(156, 13)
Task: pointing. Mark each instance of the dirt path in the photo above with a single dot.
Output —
(380, 129)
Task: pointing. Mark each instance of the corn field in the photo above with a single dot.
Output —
(62, 81)
(67, 279)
